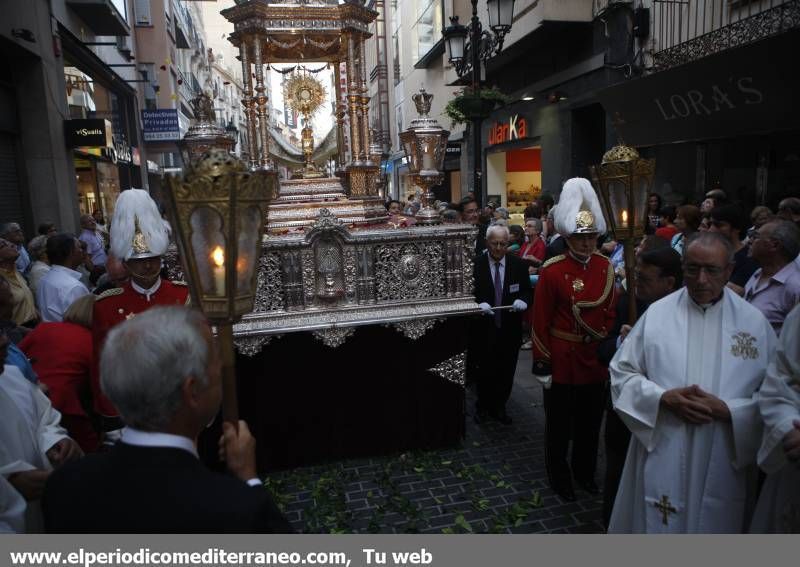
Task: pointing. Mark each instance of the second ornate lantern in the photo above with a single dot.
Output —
(424, 144)
(624, 180)
(219, 213)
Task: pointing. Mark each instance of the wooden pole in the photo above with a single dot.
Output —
(230, 404)
(629, 253)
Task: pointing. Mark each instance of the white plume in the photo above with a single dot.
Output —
(136, 205)
(577, 194)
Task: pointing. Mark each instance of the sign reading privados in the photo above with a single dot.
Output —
(160, 125)
(514, 128)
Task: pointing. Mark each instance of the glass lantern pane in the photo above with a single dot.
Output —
(619, 205)
(455, 47)
(208, 247)
(640, 194)
(249, 229)
(428, 146)
(491, 10)
(505, 11)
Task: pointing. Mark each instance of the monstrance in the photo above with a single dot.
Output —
(305, 94)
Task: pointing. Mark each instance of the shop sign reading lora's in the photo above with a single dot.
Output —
(514, 128)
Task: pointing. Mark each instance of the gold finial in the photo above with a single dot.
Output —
(422, 100)
(620, 152)
(203, 109)
(216, 162)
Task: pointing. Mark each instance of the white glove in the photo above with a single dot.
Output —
(486, 308)
(545, 381)
(112, 437)
(519, 305)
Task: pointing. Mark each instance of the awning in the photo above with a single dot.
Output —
(749, 90)
(101, 16)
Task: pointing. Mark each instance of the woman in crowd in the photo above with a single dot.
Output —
(654, 204)
(667, 228)
(37, 248)
(533, 250)
(23, 307)
(516, 239)
(61, 354)
(687, 221)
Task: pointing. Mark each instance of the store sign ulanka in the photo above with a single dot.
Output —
(161, 125)
(88, 132)
(514, 129)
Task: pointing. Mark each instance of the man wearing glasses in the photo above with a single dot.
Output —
(501, 280)
(685, 382)
(775, 287)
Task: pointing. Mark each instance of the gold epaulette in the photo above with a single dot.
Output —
(110, 293)
(179, 282)
(553, 260)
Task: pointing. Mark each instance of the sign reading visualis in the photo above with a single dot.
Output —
(88, 132)
(515, 128)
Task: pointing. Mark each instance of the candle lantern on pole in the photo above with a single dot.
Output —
(425, 144)
(624, 180)
(219, 212)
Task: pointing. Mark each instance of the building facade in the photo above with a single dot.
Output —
(709, 91)
(70, 137)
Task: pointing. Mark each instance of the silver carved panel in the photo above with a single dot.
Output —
(410, 271)
(251, 346)
(335, 336)
(407, 278)
(350, 271)
(269, 292)
(453, 369)
(415, 328)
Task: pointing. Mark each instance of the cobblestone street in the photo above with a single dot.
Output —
(495, 482)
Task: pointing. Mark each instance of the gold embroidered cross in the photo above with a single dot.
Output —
(666, 508)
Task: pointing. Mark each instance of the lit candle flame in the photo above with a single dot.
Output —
(624, 216)
(218, 256)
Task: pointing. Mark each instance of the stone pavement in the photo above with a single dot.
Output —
(494, 482)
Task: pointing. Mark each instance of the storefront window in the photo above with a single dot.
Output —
(514, 178)
(100, 171)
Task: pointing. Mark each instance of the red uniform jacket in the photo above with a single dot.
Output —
(574, 307)
(116, 305)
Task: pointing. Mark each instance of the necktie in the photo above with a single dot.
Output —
(498, 293)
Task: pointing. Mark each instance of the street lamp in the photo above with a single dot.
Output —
(425, 144)
(623, 181)
(219, 212)
(467, 47)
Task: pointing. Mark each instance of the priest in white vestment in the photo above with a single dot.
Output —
(778, 509)
(685, 382)
(31, 443)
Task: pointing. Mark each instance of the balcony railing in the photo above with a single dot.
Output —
(686, 30)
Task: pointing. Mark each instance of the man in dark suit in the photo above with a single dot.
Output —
(162, 371)
(500, 279)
